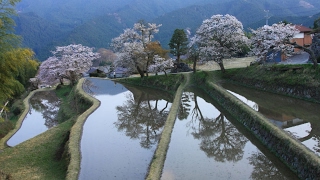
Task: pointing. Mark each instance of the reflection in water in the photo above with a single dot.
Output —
(120, 137)
(216, 149)
(141, 120)
(44, 107)
(263, 168)
(299, 118)
(219, 138)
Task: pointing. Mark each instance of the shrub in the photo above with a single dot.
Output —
(5, 127)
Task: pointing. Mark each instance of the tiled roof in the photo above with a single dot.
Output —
(303, 28)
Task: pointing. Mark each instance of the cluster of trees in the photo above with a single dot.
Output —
(218, 37)
(17, 64)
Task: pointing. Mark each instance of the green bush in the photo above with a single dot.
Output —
(5, 127)
(16, 111)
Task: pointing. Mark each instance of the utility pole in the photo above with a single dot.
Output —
(267, 16)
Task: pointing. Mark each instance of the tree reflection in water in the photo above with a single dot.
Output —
(264, 168)
(47, 103)
(89, 87)
(184, 108)
(219, 138)
(141, 119)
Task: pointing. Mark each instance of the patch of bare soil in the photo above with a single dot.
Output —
(228, 64)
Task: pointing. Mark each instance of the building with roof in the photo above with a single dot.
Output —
(303, 38)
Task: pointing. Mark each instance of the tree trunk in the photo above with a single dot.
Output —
(312, 56)
(194, 65)
(140, 72)
(178, 58)
(222, 66)
(165, 73)
(61, 80)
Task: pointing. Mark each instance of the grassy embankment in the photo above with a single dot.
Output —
(168, 83)
(300, 81)
(44, 156)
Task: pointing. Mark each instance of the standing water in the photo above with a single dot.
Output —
(44, 107)
(207, 144)
(301, 119)
(120, 137)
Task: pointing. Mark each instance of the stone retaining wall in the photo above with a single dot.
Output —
(295, 155)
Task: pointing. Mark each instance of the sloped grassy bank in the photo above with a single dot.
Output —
(300, 81)
(44, 156)
(296, 156)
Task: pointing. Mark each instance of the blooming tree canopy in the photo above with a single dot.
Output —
(131, 46)
(272, 39)
(160, 64)
(219, 37)
(68, 62)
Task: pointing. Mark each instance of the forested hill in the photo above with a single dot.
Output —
(47, 23)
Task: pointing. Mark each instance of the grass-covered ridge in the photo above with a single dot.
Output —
(45, 156)
(300, 81)
(299, 75)
(168, 83)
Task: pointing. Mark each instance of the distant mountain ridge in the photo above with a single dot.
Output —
(46, 23)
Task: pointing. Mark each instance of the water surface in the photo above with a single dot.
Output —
(301, 119)
(207, 144)
(120, 137)
(44, 107)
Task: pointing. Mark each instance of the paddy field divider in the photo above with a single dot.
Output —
(76, 132)
(159, 157)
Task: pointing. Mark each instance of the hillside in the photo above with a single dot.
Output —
(37, 32)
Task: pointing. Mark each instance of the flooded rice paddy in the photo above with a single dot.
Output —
(120, 137)
(300, 119)
(44, 107)
(207, 144)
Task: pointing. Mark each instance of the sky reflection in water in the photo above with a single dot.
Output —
(44, 107)
(301, 119)
(206, 145)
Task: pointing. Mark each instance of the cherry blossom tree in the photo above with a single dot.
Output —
(67, 62)
(268, 40)
(219, 37)
(160, 64)
(131, 46)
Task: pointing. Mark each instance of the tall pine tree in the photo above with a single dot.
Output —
(178, 44)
